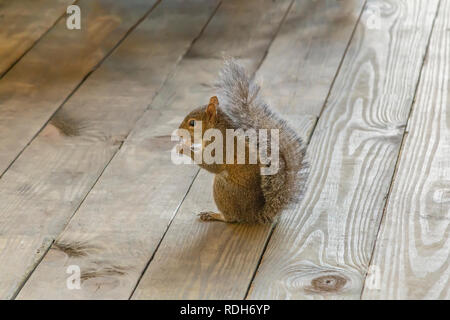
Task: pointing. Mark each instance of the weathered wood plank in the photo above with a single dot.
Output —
(48, 182)
(22, 23)
(411, 259)
(198, 260)
(41, 81)
(302, 62)
(117, 229)
(322, 249)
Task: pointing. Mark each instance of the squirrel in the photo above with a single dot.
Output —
(241, 192)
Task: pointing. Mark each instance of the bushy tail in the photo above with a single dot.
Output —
(239, 99)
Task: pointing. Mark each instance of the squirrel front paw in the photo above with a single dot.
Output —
(211, 216)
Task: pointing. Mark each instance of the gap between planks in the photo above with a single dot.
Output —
(308, 141)
(212, 60)
(294, 269)
(397, 162)
(161, 64)
(410, 260)
(225, 291)
(71, 92)
(198, 170)
(14, 61)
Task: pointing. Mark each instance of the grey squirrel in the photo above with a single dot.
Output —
(242, 194)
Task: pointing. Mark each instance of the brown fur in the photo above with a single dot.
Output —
(241, 193)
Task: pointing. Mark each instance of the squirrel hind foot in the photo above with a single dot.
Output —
(211, 216)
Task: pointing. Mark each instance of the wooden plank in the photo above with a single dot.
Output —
(302, 62)
(48, 182)
(198, 260)
(411, 259)
(37, 86)
(323, 247)
(117, 229)
(22, 23)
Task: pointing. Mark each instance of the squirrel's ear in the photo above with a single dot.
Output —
(211, 109)
(214, 100)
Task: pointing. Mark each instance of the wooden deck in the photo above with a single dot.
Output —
(86, 178)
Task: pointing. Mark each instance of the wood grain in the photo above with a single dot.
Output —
(118, 227)
(411, 259)
(301, 65)
(48, 182)
(45, 77)
(24, 22)
(323, 247)
(198, 260)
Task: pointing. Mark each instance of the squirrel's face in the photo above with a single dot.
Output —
(196, 123)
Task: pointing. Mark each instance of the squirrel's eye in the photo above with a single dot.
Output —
(191, 123)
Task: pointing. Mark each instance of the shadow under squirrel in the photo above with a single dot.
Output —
(242, 194)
